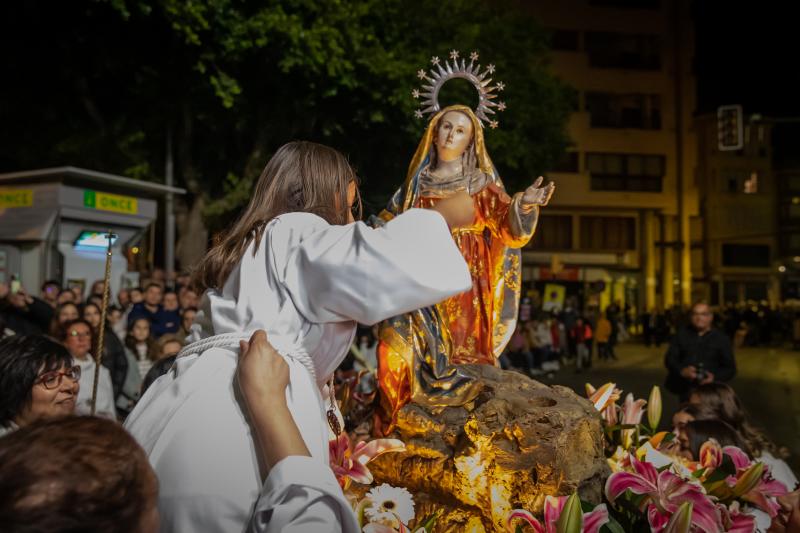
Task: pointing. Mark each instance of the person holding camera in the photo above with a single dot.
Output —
(698, 354)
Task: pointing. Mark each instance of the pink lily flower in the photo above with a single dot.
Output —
(553, 506)
(665, 493)
(735, 521)
(679, 522)
(605, 400)
(632, 412)
(740, 459)
(754, 483)
(350, 464)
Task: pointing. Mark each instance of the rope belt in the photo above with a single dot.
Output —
(230, 341)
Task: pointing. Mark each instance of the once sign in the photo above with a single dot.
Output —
(15, 197)
(110, 202)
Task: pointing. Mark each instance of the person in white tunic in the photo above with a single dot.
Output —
(297, 266)
(78, 342)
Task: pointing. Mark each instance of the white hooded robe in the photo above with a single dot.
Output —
(307, 285)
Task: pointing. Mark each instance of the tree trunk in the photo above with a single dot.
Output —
(192, 231)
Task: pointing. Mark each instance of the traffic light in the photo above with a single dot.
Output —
(730, 128)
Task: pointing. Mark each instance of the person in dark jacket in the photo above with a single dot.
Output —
(161, 320)
(22, 313)
(698, 354)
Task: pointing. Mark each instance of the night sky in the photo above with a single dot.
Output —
(749, 53)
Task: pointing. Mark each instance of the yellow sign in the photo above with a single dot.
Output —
(554, 297)
(110, 202)
(15, 197)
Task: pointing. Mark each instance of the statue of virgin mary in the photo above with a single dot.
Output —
(420, 352)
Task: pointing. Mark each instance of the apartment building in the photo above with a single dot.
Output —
(626, 209)
(738, 199)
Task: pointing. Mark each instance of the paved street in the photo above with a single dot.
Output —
(768, 383)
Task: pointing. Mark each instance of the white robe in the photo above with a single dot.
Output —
(104, 405)
(306, 284)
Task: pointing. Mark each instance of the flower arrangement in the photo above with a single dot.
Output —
(651, 488)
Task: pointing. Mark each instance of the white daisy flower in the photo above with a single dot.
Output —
(389, 502)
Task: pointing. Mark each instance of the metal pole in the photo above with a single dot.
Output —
(169, 210)
(98, 358)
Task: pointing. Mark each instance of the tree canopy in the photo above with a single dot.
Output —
(100, 83)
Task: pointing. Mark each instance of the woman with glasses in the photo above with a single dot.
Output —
(38, 380)
(77, 339)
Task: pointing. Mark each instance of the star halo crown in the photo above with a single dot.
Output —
(438, 75)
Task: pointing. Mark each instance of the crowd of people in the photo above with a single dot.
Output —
(748, 323)
(144, 325)
(546, 342)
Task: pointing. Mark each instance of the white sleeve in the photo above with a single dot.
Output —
(105, 396)
(301, 495)
(354, 272)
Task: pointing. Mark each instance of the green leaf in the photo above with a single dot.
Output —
(612, 526)
(429, 522)
(571, 519)
(681, 520)
(360, 511)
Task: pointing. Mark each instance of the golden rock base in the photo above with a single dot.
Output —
(516, 443)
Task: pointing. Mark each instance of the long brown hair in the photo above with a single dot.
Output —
(152, 345)
(723, 401)
(301, 176)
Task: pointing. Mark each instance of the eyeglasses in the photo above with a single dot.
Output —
(52, 380)
(81, 334)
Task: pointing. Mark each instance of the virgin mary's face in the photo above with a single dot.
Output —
(453, 136)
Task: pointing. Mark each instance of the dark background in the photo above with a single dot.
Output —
(747, 53)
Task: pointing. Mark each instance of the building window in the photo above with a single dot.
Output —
(608, 233)
(790, 242)
(564, 40)
(739, 181)
(568, 163)
(622, 50)
(745, 255)
(625, 172)
(609, 110)
(627, 4)
(554, 232)
(790, 213)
